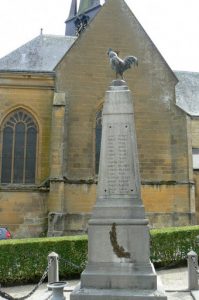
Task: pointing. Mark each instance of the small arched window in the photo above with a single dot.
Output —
(19, 144)
(98, 136)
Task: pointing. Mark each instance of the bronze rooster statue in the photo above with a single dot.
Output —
(119, 65)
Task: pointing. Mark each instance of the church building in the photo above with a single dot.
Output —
(51, 96)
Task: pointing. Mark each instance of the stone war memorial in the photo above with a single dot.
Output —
(119, 264)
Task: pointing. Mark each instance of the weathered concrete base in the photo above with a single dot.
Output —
(77, 223)
(32, 227)
(56, 223)
(158, 220)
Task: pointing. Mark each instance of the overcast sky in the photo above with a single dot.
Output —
(173, 25)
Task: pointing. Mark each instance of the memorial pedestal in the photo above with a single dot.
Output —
(119, 264)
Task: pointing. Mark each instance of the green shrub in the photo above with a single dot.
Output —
(171, 245)
(23, 261)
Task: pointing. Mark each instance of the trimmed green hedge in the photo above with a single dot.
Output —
(169, 246)
(24, 261)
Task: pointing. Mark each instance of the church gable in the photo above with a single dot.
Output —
(115, 26)
(84, 74)
(153, 84)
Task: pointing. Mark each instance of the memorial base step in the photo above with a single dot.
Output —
(116, 294)
(117, 281)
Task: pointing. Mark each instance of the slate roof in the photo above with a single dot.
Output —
(44, 52)
(40, 54)
(187, 92)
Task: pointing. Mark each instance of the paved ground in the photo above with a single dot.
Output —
(174, 282)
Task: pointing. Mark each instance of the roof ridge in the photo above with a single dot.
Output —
(58, 35)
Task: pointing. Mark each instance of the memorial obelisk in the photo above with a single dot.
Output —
(119, 264)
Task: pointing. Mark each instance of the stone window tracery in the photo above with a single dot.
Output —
(19, 145)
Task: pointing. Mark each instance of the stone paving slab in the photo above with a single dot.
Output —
(173, 280)
(195, 295)
(179, 296)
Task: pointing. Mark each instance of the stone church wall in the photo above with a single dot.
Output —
(84, 75)
(24, 212)
(23, 208)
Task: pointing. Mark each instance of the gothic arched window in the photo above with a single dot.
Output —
(19, 145)
(98, 136)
